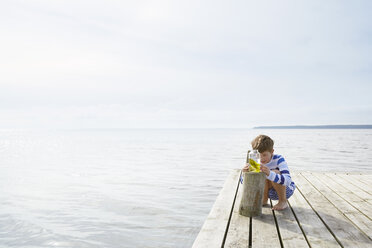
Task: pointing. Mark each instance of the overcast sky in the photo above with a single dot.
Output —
(102, 64)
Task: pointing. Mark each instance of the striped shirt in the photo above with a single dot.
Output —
(278, 163)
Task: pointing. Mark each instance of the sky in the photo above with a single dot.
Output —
(184, 64)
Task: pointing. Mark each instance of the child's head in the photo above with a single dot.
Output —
(265, 146)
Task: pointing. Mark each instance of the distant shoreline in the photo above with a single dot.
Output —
(317, 127)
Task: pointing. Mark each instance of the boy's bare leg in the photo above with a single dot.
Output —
(280, 190)
(266, 192)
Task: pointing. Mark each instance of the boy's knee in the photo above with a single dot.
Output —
(269, 183)
(277, 185)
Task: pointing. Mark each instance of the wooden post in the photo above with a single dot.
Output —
(253, 188)
(247, 160)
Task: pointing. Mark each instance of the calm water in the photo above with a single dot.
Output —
(139, 188)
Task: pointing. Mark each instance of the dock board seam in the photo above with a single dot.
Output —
(299, 224)
(325, 224)
(341, 198)
(231, 212)
(277, 226)
(339, 209)
(250, 233)
(363, 182)
(345, 178)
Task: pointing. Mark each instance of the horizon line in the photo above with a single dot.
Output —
(348, 126)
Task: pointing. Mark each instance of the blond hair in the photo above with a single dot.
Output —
(262, 143)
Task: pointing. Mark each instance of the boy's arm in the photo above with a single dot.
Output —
(284, 177)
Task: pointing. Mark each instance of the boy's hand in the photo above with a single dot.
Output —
(246, 167)
(265, 170)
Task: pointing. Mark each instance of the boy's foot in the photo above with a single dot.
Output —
(280, 206)
(265, 202)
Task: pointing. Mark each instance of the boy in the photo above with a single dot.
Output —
(279, 185)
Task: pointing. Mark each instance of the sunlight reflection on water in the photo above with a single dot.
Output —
(139, 188)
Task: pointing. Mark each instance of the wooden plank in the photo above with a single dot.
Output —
(315, 231)
(366, 176)
(238, 233)
(290, 232)
(346, 191)
(353, 195)
(351, 184)
(326, 186)
(365, 179)
(264, 231)
(213, 231)
(340, 226)
(358, 182)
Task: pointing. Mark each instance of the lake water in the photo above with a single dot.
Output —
(140, 187)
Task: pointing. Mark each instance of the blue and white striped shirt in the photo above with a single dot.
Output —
(278, 163)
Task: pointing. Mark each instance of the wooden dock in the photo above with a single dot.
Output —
(326, 210)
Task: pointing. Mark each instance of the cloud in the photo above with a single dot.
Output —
(183, 62)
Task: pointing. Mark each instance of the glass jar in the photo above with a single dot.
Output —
(255, 155)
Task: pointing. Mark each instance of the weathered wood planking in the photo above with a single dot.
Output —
(326, 187)
(354, 185)
(315, 231)
(359, 199)
(213, 231)
(346, 233)
(347, 186)
(326, 210)
(238, 233)
(364, 182)
(290, 232)
(264, 231)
